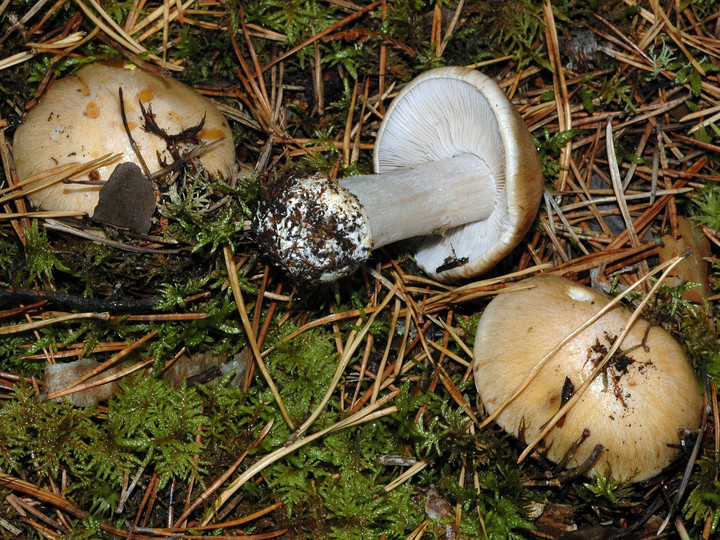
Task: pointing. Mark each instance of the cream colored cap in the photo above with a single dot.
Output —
(79, 119)
(635, 408)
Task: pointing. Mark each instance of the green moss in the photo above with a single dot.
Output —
(42, 260)
(549, 147)
(158, 423)
(704, 500)
(11, 261)
(707, 207)
(206, 214)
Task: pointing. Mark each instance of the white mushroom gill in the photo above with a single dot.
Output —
(418, 134)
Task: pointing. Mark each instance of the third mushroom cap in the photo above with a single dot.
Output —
(455, 164)
(636, 407)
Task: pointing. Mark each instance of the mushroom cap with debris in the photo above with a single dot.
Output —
(636, 407)
(79, 119)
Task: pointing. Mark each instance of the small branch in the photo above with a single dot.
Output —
(69, 301)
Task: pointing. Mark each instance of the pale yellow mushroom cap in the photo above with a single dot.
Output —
(78, 119)
(636, 408)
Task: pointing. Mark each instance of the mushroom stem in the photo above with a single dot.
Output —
(320, 230)
(424, 199)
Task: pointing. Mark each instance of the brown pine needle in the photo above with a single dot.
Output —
(223, 477)
(319, 35)
(353, 343)
(369, 413)
(115, 377)
(456, 395)
(153, 16)
(41, 214)
(386, 354)
(69, 389)
(417, 534)
(15, 484)
(405, 476)
(24, 327)
(252, 338)
(617, 187)
(55, 175)
(561, 92)
(675, 35)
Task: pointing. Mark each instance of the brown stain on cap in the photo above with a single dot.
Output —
(83, 86)
(211, 133)
(145, 95)
(92, 110)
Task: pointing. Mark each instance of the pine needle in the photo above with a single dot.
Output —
(252, 338)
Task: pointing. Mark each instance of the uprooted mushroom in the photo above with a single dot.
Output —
(454, 164)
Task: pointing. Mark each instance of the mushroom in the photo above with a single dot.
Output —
(636, 407)
(694, 267)
(79, 119)
(454, 162)
(61, 375)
